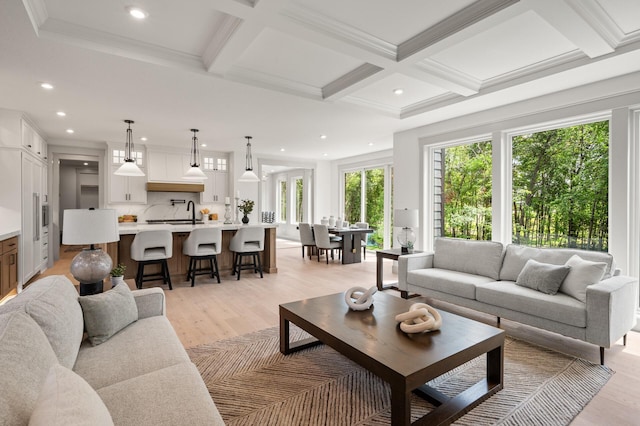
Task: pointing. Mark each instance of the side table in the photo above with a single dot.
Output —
(392, 254)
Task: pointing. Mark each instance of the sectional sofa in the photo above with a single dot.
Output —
(129, 368)
(575, 293)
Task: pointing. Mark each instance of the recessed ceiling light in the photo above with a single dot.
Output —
(47, 86)
(143, 139)
(323, 136)
(281, 149)
(325, 154)
(86, 164)
(370, 143)
(398, 91)
(136, 12)
(70, 131)
(61, 114)
(204, 145)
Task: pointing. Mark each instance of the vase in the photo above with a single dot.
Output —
(245, 219)
(117, 280)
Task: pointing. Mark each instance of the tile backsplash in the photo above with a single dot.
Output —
(159, 207)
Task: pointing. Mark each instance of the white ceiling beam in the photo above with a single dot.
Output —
(351, 81)
(573, 26)
(37, 12)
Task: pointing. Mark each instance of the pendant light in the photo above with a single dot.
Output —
(248, 175)
(194, 173)
(129, 167)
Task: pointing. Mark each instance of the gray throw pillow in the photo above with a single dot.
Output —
(67, 399)
(583, 274)
(107, 313)
(542, 277)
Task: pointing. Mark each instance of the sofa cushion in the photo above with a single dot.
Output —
(516, 257)
(144, 346)
(178, 390)
(107, 313)
(452, 282)
(66, 399)
(558, 307)
(543, 277)
(26, 357)
(53, 303)
(470, 256)
(583, 273)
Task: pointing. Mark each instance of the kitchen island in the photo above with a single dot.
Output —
(179, 263)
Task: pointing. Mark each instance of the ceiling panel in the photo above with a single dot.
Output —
(391, 21)
(294, 59)
(625, 13)
(170, 24)
(519, 42)
(414, 91)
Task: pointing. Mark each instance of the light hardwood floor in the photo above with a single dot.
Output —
(211, 311)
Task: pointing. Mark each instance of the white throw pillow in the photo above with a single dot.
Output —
(67, 399)
(583, 273)
(107, 313)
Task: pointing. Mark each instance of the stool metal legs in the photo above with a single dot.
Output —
(194, 270)
(164, 273)
(255, 265)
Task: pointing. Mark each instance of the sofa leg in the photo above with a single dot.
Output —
(601, 355)
(404, 294)
(498, 318)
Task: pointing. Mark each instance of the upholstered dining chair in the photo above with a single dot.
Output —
(248, 241)
(306, 238)
(203, 244)
(324, 243)
(363, 237)
(149, 247)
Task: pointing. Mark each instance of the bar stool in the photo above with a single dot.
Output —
(203, 244)
(248, 241)
(150, 247)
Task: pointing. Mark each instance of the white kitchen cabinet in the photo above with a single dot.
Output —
(32, 141)
(216, 187)
(167, 167)
(31, 237)
(127, 189)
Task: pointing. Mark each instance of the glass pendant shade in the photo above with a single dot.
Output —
(194, 173)
(129, 167)
(249, 175)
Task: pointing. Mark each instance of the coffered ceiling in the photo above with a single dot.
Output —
(287, 71)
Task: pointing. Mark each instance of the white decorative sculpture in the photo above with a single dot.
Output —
(359, 298)
(421, 317)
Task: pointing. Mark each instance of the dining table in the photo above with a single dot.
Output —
(351, 247)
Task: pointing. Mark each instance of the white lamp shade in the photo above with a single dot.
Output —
(194, 173)
(406, 218)
(249, 176)
(129, 168)
(83, 226)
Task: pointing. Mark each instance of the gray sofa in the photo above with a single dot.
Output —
(138, 375)
(491, 278)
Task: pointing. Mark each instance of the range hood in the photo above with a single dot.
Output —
(174, 187)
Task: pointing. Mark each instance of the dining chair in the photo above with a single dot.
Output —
(363, 237)
(306, 238)
(324, 243)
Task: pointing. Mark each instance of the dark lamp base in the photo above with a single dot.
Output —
(404, 249)
(87, 289)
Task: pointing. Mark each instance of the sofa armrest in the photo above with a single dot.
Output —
(611, 309)
(410, 262)
(150, 302)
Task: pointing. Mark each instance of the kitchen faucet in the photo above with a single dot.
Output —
(193, 212)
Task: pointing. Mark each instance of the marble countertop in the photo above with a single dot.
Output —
(134, 228)
(5, 234)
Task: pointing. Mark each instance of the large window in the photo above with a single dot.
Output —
(364, 201)
(463, 191)
(299, 199)
(560, 187)
(282, 196)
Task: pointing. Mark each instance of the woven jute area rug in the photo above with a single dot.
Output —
(252, 383)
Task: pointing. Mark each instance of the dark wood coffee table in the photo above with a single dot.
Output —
(373, 339)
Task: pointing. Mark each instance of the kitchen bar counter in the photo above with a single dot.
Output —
(179, 263)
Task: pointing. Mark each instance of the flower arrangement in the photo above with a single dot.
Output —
(246, 206)
(118, 271)
(204, 211)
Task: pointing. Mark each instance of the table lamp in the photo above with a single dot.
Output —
(406, 219)
(88, 226)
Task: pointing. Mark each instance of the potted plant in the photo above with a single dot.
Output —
(246, 207)
(117, 274)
